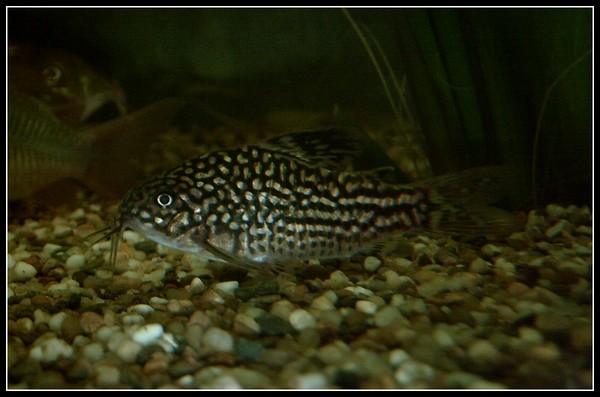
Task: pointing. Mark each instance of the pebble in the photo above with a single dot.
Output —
(321, 303)
(483, 351)
(107, 375)
(387, 315)
(147, 334)
(397, 357)
(78, 214)
(312, 380)
(50, 248)
(301, 319)
(62, 231)
(90, 322)
(93, 352)
(337, 280)
(128, 350)
(245, 325)
(367, 307)
(50, 350)
(75, 262)
(141, 308)
(412, 371)
(216, 339)
(24, 271)
(227, 287)
(557, 229)
(371, 264)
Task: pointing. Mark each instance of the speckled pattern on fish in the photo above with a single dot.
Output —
(280, 201)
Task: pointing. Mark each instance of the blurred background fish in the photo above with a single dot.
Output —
(107, 157)
(65, 83)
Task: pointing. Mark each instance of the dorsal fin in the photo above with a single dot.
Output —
(327, 148)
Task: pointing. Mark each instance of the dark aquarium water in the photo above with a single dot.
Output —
(103, 99)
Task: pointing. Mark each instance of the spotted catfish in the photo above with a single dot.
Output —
(286, 200)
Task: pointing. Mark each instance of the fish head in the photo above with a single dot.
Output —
(159, 211)
(70, 87)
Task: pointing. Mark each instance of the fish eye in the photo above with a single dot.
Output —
(53, 75)
(164, 200)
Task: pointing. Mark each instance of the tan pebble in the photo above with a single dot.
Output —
(70, 328)
(24, 325)
(516, 288)
(483, 351)
(157, 364)
(90, 322)
(581, 337)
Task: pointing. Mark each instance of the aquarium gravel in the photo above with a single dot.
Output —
(437, 312)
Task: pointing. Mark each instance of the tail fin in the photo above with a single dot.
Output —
(120, 146)
(464, 202)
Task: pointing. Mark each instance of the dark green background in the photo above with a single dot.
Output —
(477, 77)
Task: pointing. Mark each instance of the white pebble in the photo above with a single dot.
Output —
(282, 309)
(387, 315)
(155, 276)
(443, 338)
(301, 319)
(107, 375)
(227, 287)
(50, 248)
(40, 317)
(50, 350)
(128, 351)
(148, 334)
(313, 380)
(483, 351)
(115, 341)
(364, 306)
(556, 229)
(131, 237)
(24, 271)
(9, 293)
(132, 319)
(10, 261)
(412, 371)
(141, 308)
(168, 343)
(218, 340)
(359, 292)
(79, 213)
(337, 280)
(322, 303)
(371, 263)
(504, 265)
(61, 231)
(42, 233)
(531, 335)
(157, 300)
(397, 357)
(490, 250)
(75, 262)
(224, 382)
(196, 286)
(186, 381)
(403, 263)
(248, 322)
(93, 352)
(55, 322)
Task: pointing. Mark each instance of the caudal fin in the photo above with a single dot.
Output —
(466, 202)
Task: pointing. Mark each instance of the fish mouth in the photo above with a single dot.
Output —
(95, 103)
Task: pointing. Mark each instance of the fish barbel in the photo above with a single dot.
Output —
(64, 82)
(286, 200)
